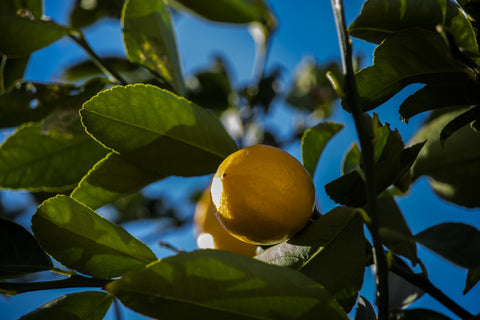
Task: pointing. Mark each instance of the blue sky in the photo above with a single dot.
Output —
(306, 29)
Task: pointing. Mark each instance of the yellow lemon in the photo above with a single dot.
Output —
(262, 195)
(210, 233)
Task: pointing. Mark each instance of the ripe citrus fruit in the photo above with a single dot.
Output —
(262, 195)
(210, 233)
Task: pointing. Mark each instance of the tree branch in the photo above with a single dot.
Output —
(364, 132)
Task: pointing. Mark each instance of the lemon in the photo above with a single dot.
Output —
(210, 233)
(262, 195)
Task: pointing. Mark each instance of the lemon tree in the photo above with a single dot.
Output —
(86, 150)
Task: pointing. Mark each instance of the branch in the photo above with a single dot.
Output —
(13, 288)
(79, 38)
(364, 132)
(425, 284)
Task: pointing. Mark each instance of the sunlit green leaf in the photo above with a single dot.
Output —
(456, 242)
(110, 179)
(406, 57)
(19, 251)
(157, 130)
(352, 159)
(21, 36)
(87, 305)
(314, 141)
(379, 18)
(215, 284)
(81, 239)
(452, 169)
(43, 157)
(150, 40)
(331, 251)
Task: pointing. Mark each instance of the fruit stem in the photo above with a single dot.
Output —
(365, 136)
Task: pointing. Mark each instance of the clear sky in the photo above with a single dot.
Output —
(306, 28)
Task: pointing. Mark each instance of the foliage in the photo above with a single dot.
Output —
(127, 123)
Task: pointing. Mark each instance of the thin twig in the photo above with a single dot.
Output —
(79, 38)
(364, 132)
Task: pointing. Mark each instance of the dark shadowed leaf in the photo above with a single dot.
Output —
(111, 178)
(12, 70)
(35, 7)
(473, 276)
(85, 14)
(157, 130)
(314, 141)
(27, 101)
(416, 314)
(395, 233)
(215, 284)
(433, 97)
(87, 305)
(401, 292)
(460, 121)
(21, 36)
(403, 58)
(150, 40)
(80, 239)
(453, 168)
(229, 11)
(393, 162)
(211, 88)
(47, 157)
(379, 18)
(331, 251)
(457, 242)
(364, 310)
(87, 68)
(19, 251)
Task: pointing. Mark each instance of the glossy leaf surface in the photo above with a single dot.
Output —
(81, 239)
(215, 284)
(157, 130)
(150, 40)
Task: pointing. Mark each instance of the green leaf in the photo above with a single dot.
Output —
(460, 121)
(473, 276)
(211, 88)
(21, 36)
(330, 251)
(27, 101)
(230, 11)
(394, 231)
(84, 15)
(150, 40)
(157, 130)
(403, 58)
(80, 239)
(41, 157)
(314, 141)
(13, 70)
(352, 159)
(452, 169)
(87, 68)
(19, 251)
(110, 179)
(456, 242)
(380, 18)
(392, 164)
(312, 90)
(215, 284)
(87, 305)
(433, 97)
(417, 314)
